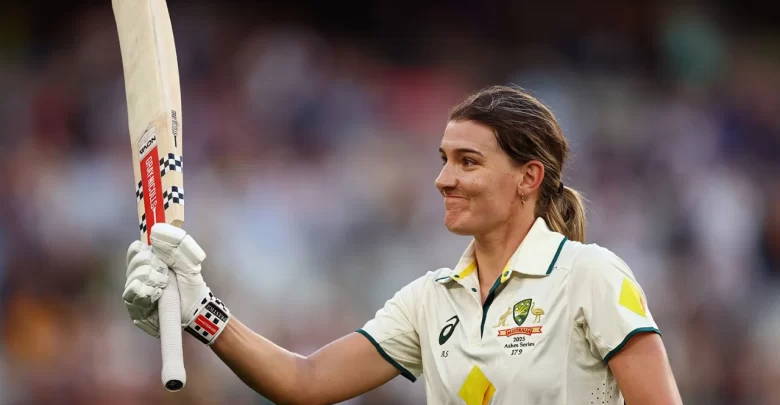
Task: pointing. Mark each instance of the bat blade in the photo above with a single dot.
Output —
(153, 95)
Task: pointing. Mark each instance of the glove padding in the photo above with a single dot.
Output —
(146, 277)
(183, 256)
(202, 314)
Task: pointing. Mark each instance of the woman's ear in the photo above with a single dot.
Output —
(530, 178)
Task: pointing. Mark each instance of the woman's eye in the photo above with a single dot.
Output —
(443, 160)
(468, 162)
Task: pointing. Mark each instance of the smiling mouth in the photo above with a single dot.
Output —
(451, 201)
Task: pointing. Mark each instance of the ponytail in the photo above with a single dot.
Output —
(565, 214)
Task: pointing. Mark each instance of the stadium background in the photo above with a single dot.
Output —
(311, 149)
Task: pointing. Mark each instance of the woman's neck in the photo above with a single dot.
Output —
(493, 250)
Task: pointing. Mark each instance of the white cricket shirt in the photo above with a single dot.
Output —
(559, 311)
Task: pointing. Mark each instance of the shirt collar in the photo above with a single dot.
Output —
(536, 255)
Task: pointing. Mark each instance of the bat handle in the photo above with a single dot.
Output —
(173, 374)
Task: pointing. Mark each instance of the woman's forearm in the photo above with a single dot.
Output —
(342, 369)
(272, 371)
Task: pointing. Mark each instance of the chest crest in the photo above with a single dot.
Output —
(519, 326)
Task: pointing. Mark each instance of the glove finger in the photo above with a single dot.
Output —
(156, 278)
(135, 248)
(144, 291)
(165, 237)
(191, 251)
(141, 308)
(165, 240)
(145, 282)
(166, 234)
(144, 297)
(144, 326)
(140, 274)
(135, 312)
(145, 257)
(131, 291)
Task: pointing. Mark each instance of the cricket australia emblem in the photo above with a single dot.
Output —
(520, 313)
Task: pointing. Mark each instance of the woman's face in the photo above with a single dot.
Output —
(479, 182)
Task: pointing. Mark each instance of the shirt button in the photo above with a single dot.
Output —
(473, 289)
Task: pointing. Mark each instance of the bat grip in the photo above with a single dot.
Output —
(173, 374)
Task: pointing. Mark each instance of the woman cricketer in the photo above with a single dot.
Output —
(529, 315)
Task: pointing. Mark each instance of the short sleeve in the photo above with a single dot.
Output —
(608, 301)
(393, 330)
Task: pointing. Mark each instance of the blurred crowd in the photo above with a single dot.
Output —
(310, 150)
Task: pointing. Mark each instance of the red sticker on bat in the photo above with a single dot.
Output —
(151, 181)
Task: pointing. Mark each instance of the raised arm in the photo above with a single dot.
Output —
(343, 369)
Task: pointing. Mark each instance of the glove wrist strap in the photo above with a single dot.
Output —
(210, 320)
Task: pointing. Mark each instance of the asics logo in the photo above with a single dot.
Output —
(447, 330)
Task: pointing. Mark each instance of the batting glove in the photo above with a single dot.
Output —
(203, 315)
(146, 277)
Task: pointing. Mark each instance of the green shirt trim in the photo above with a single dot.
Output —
(557, 253)
(404, 371)
(489, 300)
(629, 336)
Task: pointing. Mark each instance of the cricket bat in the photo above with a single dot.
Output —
(151, 76)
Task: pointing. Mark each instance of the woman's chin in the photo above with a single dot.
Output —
(457, 227)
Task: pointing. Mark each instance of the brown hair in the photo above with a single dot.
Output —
(527, 130)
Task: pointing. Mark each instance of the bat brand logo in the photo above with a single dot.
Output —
(149, 163)
(150, 177)
(148, 145)
(147, 142)
(175, 128)
(218, 313)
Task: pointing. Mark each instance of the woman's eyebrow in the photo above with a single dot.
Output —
(464, 150)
